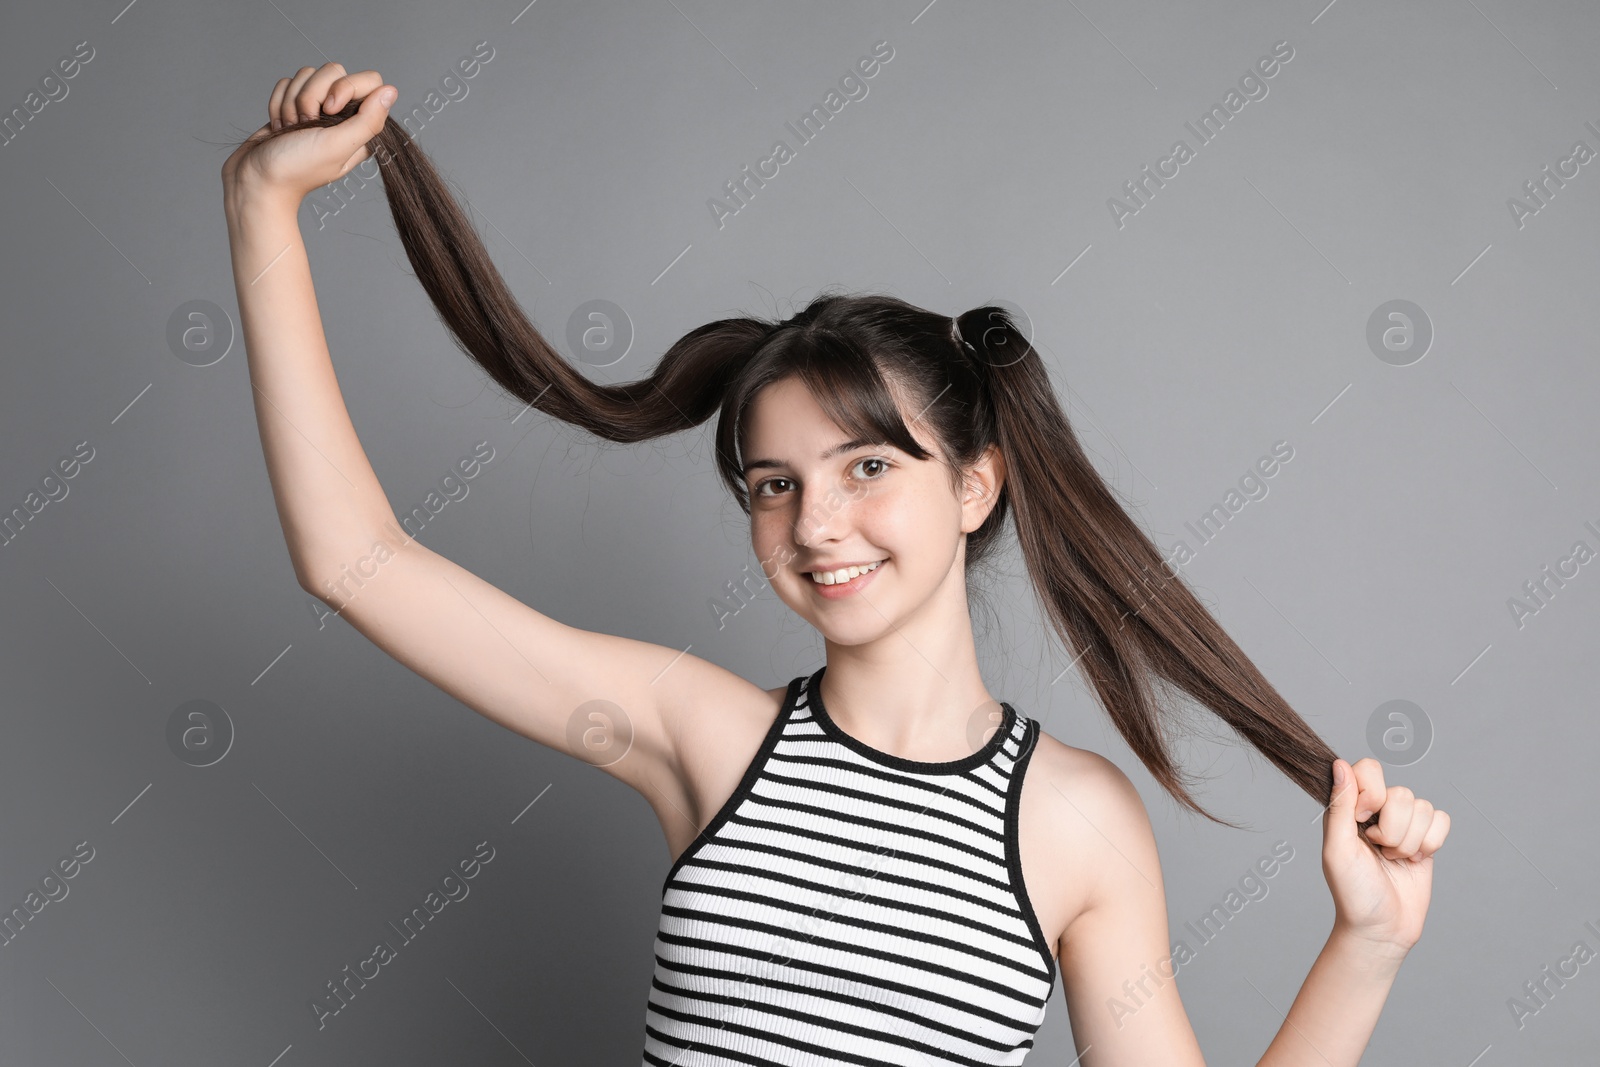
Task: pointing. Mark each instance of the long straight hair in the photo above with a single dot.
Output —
(1128, 620)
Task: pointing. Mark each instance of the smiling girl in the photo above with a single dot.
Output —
(878, 862)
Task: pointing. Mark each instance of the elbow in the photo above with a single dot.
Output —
(329, 581)
(330, 593)
(332, 569)
(310, 583)
(335, 576)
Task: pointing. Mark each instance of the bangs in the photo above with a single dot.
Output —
(848, 385)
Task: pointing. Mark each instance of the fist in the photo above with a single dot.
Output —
(305, 143)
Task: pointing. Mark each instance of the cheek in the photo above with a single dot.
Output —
(909, 527)
(915, 523)
(769, 539)
(888, 520)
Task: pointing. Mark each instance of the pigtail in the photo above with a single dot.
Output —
(489, 325)
(1108, 592)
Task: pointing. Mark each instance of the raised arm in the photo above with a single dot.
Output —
(512, 664)
(327, 495)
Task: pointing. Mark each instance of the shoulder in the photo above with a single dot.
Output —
(715, 736)
(1085, 831)
(712, 724)
(1103, 908)
(710, 707)
(1087, 782)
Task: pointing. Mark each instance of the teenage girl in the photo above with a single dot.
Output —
(879, 862)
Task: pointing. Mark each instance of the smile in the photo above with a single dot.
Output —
(847, 581)
(839, 577)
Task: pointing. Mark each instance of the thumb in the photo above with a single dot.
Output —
(1341, 818)
(354, 132)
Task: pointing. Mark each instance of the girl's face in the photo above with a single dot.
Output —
(816, 505)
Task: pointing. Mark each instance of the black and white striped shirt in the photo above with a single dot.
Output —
(847, 906)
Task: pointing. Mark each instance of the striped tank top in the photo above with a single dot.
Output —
(848, 906)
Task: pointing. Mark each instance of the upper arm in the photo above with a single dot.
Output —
(611, 701)
(1114, 956)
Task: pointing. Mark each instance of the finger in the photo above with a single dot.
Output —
(1410, 834)
(1438, 829)
(275, 105)
(356, 86)
(1394, 818)
(308, 101)
(357, 131)
(1421, 819)
(287, 110)
(1341, 820)
(1369, 776)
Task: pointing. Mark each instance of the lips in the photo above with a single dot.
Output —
(854, 585)
(842, 572)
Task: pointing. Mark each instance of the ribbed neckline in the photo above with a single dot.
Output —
(888, 759)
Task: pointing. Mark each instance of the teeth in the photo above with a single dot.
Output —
(835, 577)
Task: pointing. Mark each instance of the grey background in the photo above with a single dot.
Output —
(1229, 313)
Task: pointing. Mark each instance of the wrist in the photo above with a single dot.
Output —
(247, 201)
(1378, 958)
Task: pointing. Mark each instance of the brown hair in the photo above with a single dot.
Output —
(1103, 583)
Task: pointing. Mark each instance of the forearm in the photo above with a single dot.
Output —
(328, 498)
(1333, 1016)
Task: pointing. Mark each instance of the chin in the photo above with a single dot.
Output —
(851, 637)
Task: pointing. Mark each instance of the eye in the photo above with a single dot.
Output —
(772, 487)
(882, 463)
(761, 487)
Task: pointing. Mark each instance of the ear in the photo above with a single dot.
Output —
(981, 488)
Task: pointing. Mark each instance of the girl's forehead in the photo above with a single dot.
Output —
(788, 407)
(785, 416)
(785, 424)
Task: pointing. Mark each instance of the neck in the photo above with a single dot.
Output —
(917, 691)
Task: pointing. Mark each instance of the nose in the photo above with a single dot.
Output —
(824, 516)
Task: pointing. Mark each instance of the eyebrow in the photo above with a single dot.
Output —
(836, 450)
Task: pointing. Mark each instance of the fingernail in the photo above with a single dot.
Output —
(1363, 816)
(386, 97)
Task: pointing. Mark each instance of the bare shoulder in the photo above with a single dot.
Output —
(1088, 781)
(714, 728)
(1101, 905)
(713, 716)
(1082, 829)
